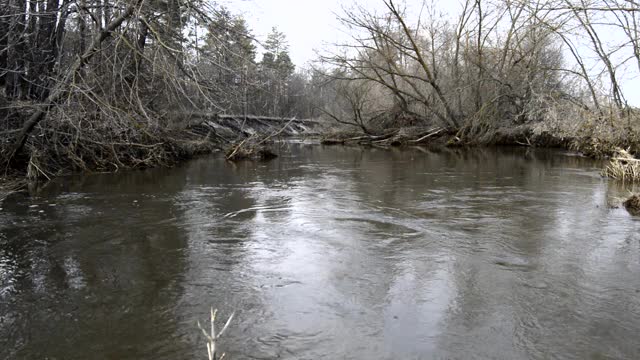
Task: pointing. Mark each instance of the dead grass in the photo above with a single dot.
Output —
(623, 166)
(212, 336)
(602, 136)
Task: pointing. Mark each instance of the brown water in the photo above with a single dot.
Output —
(327, 253)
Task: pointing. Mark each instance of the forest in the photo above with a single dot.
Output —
(443, 180)
(104, 85)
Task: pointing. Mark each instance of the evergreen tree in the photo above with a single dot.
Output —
(229, 60)
(276, 70)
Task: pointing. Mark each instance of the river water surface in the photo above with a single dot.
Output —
(327, 253)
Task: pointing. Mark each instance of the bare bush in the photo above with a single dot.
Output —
(501, 67)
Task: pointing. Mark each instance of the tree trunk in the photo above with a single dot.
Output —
(15, 49)
(450, 115)
(59, 89)
(4, 40)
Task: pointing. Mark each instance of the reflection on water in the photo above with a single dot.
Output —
(327, 253)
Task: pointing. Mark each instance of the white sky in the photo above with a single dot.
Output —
(308, 24)
(312, 24)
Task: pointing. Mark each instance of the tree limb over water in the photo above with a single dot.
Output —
(501, 72)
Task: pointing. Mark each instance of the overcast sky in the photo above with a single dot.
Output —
(311, 24)
(307, 24)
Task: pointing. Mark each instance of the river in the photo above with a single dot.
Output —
(327, 253)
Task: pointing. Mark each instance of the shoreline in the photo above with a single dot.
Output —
(393, 138)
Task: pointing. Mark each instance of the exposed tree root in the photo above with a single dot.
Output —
(73, 145)
(9, 186)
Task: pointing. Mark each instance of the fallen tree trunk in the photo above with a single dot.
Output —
(250, 149)
(395, 137)
(370, 138)
(430, 134)
(254, 148)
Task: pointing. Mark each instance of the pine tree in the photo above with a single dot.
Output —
(229, 59)
(276, 70)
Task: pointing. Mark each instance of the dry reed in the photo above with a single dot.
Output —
(623, 166)
(213, 337)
